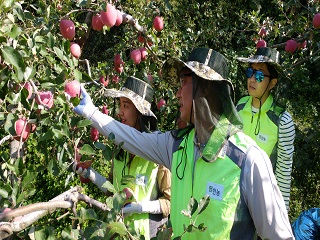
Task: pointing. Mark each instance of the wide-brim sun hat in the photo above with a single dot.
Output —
(204, 62)
(138, 91)
(266, 55)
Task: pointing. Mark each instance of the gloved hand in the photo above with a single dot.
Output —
(91, 174)
(142, 207)
(133, 207)
(85, 107)
(83, 172)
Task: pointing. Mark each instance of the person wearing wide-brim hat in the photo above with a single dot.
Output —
(151, 205)
(264, 120)
(210, 159)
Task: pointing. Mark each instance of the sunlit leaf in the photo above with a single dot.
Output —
(86, 149)
(14, 58)
(204, 202)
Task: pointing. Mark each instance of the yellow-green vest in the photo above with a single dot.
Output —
(219, 179)
(267, 138)
(145, 173)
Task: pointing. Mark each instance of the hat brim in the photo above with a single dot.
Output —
(143, 106)
(172, 67)
(263, 59)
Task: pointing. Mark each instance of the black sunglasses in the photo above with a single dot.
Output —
(258, 75)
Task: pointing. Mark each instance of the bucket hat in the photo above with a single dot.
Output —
(138, 91)
(204, 62)
(266, 55)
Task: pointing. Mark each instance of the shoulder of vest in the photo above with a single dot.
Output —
(242, 102)
(237, 146)
(275, 113)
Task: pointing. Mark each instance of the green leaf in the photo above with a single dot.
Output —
(98, 145)
(28, 178)
(77, 75)
(107, 153)
(29, 73)
(84, 123)
(9, 124)
(116, 227)
(87, 150)
(58, 133)
(3, 193)
(15, 31)
(204, 202)
(108, 185)
(119, 199)
(193, 205)
(58, 52)
(127, 180)
(14, 58)
(111, 136)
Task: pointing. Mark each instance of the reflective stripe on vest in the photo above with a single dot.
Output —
(145, 173)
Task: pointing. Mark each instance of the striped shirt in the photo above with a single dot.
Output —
(286, 136)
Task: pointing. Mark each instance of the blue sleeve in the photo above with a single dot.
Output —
(307, 225)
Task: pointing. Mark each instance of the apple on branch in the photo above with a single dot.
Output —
(158, 23)
(67, 29)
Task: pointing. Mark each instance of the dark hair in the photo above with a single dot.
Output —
(272, 71)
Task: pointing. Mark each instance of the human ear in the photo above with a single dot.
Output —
(273, 83)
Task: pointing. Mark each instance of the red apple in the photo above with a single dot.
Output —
(104, 81)
(161, 103)
(73, 88)
(33, 127)
(94, 134)
(46, 98)
(119, 18)
(75, 49)
(128, 192)
(150, 78)
(261, 43)
(140, 38)
(144, 53)
(18, 127)
(115, 79)
(118, 69)
(97, 23)
(158, 23)
(84, 165)
(67, 29)
(263, 32)
(316, 20)
(105, 110)
(117, 60)
(5, 210)
(109, 16)
(302, 45)
(291, 46)
(136, 56)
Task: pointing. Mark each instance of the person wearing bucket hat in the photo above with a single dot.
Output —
(210, 158)
(152, 186)
(264, 120)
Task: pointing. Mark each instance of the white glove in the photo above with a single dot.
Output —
(142, 207)
(85, 107)
(93, 175)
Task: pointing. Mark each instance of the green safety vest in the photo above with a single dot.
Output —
(267, 138)
(219, 179)
(145, 173)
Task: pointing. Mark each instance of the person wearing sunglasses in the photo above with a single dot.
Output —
(264, 120)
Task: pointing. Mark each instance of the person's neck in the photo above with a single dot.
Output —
(256, 101)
